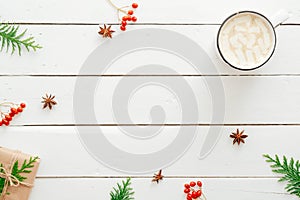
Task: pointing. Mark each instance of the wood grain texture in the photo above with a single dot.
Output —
(96, 11)
(65, 48)
(63, 154)
(234, 189)
(264, 102)
(248, 100)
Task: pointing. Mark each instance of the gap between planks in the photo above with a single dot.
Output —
(150, 75)
(132, 24)
(168, 125)
(165, 177)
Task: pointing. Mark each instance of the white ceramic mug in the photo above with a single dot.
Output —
(246, 40)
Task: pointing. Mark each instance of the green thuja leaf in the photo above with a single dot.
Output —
(123, 191)
(19, 172)
(11, 39)
(289, 170)
(2, 181)
(24, 169)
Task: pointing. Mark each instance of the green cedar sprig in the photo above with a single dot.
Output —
(122, 192)
(17, 172)
(10, 38)
(2, 181)
(290, 171)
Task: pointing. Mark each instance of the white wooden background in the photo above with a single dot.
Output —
(265, 102)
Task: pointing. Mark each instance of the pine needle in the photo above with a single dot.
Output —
(290, 172)
(11, 39)
(122, 192)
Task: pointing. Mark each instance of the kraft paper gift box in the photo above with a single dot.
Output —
(16, 185)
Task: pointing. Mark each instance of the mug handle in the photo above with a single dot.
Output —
(280, 17)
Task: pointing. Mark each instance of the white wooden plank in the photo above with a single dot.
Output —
(63, 154)
(235, 189)
(254, 100)
(94, 11)
(65, 48)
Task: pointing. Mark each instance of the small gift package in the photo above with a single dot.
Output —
(17, 174)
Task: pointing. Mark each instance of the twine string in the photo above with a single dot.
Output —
(11, 180)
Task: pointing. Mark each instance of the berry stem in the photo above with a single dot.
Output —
(7, 104)
(2, 114)
(119, 9)
(123, 11)
(111, 3)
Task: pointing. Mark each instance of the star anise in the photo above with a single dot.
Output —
(158, 177)
(106, 32)
(48, 101)
(238, 137)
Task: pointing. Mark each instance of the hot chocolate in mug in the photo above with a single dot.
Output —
(246, 40)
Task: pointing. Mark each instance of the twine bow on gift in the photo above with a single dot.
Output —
(10, 180)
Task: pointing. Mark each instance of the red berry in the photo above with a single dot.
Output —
(23, 105)
(199, 183)
(133, 18)
(128, 18)
(186, 185)
(130, 12)
(12, 114)
(194, 195)
(20, 109)
(123, 28)
(5, 122)
(8, 118)
(124, 23)
(135, 5)
(186, 190)
(189, 197)
(192, 184)
(1, 123)
(199, 193)
(13, 110)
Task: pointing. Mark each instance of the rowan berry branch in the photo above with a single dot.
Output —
(128, 14)
(12, 110)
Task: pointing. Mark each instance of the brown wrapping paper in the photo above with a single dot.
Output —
(8, 158)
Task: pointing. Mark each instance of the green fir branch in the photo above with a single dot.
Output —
(122, 192)
(18, 172)
(10, 38)
(290, 172)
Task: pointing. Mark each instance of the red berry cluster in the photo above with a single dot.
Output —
(128, 17)
(191, 191)
(14, 109)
